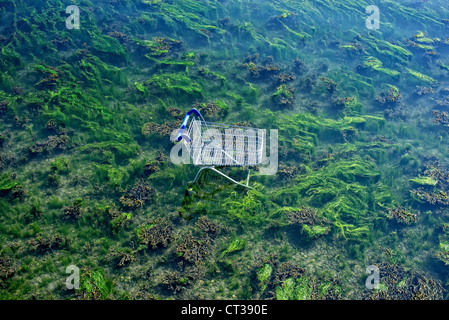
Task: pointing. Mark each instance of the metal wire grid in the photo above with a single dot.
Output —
(215, 144)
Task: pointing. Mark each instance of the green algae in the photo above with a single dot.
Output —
(236, 245)
(424, 181)
(6, 183)
(176, 83)
(340, 190)
(264, 275)
(290, 289)
(314, 232)
(422, 77)
(376, 64)
(94, 285)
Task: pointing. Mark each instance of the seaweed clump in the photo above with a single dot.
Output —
(160, 46)
(299, 67)
(164, 129)
(58, 142)
(402, 216)
(212, 109)
(121, 258)
(7, 268)
(312, 225)
(433, 185)
(287, 172)
(73, 211)
(210, 228)
(395, 283)
(392, 96)
(194, 249)
(283, 77)
(156, 233)
(330, 85)
(261, 71)
(45, 243)
(284, 96)
(138, 195)
(421, 91)
(441, 118)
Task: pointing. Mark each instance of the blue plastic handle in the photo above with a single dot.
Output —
(184, 124)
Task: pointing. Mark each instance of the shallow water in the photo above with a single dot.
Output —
(88, 179)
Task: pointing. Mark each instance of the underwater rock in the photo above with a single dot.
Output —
(396, 112)
(444, 92)
(442, 103)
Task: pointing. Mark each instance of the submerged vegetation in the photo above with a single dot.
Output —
(86, 178)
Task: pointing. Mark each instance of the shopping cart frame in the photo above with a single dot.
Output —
(230, 145)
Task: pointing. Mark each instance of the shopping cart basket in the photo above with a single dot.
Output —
(212, 145)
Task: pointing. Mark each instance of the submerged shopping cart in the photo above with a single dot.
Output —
(211, 145)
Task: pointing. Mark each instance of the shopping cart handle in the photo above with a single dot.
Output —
(184, 125)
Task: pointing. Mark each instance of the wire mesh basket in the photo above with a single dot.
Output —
(220, 145)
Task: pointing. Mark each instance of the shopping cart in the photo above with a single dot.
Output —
(212, 145)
